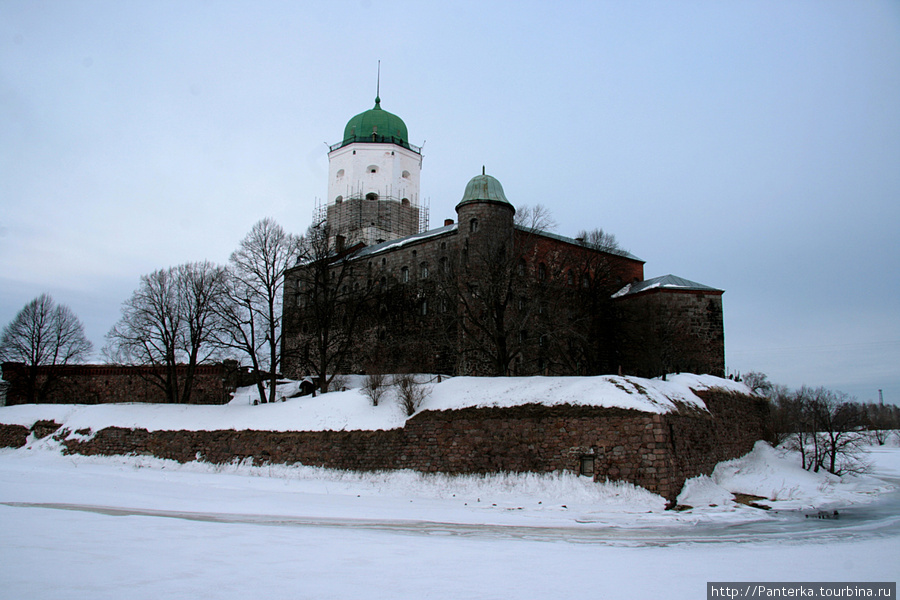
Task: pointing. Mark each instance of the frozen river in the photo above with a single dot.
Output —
(78, 527)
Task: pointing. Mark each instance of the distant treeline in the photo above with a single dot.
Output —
(823, 425)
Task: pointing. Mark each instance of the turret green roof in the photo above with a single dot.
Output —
(483, 188)
(376, 125)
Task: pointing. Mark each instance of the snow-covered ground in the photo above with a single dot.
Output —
(139, 527)
(351, 409)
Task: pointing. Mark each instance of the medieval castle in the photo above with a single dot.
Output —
(489, 294)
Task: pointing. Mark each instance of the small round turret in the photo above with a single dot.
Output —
(484, 188)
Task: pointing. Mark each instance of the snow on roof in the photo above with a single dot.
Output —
(392, 244)
(665, 281)
(352, 410)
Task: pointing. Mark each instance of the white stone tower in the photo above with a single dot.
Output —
(373, 181)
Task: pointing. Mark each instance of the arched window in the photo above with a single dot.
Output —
(404, 202)
(520, 268)
(340, 173)
(542, 272)
(371, 196)
(372, 169)
(473, 225)
(404, 275)
(423, 271)
(423, 307)
(405, 175)
(339, 199)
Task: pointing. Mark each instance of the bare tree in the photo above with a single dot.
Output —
(496, 297)
(332, 301)
(410, 393)
(590, 329)
(251, 311)
(534, 307)
(825, 429)
(170, 321)
(374, 387)
(758, 383)
(43, 334)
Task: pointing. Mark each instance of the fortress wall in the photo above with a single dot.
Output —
(657, 452)
(100, 384)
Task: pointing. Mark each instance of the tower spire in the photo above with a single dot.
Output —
(378, 85)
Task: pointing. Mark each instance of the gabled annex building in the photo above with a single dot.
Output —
(487, 293)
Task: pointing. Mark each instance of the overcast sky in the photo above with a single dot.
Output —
(750, 146)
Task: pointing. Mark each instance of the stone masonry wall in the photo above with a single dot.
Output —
(657, 452)
(673, 331)
(99, 384)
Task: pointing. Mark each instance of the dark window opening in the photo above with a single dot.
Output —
(586, 466)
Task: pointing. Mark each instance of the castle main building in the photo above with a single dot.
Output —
(486, 294)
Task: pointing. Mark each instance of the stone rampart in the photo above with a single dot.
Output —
(655, 451)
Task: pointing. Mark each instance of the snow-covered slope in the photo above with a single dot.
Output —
(352, 410)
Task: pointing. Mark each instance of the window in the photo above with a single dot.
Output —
(371, 169)
(586, 281)
(445, 304)
(473, 225)
(371, 196)
(586, 466)
(340, 173)
(523, 335)
(339, 199)
(405, 175)
(423, 271)
(570, 278)
(423, 307)
(404, 275)
(404, 202)
(520, 268)
(445, 265)
(542, 272)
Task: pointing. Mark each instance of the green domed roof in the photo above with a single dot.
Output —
(376, 125)
(483, 188)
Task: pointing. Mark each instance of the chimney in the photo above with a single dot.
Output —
(448, 222)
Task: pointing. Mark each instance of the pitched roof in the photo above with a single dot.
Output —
(573, 241)
(669, 282)
(390, 244)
